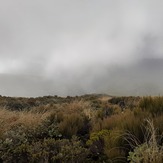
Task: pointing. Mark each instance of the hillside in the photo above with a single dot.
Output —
(88, 128)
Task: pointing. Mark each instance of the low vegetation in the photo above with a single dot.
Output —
(81, 129)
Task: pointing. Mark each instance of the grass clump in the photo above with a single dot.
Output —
(150, 151)
(154, 105)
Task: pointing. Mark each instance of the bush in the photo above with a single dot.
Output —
(14, 147)
(71, 125)
(47, 150)
(96, 145)
(71, 151)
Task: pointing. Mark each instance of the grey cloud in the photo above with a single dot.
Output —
(75, 47)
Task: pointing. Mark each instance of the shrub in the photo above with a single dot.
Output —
(96, 145)
(71, 151)
(14, 147)
(71, 125)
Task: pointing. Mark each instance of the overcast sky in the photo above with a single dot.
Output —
(73, 47)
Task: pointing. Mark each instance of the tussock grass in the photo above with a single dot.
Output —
(154, 105)
(148, 152)
(76, 106)
(8, 118)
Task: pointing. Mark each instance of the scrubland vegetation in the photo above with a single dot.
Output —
(90, 128)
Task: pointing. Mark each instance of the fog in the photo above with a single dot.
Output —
(50, 47)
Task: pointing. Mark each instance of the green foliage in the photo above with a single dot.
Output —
(71, 151)
(14, 146)
(22, 146)
(49, 128)
(96, 144)
(137, 155)
(146, 153)
(15, 105)
(97, 136)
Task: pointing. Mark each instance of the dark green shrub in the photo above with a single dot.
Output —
(71, 151)
(15, 105)
(96, 145)
(47, 129)
(14, 147)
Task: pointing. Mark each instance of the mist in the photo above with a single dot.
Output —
(79, 47)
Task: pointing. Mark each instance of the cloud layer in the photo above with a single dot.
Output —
(76, 47)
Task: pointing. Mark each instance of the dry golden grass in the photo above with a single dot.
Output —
(8, 118)
(116, 120)
(34, 117)
(75, 106)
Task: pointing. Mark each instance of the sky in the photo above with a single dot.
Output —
(74, 47)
